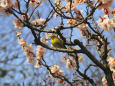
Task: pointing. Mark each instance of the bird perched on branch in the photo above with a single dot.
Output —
(56, 42)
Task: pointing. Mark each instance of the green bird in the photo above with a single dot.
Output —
(56, 42)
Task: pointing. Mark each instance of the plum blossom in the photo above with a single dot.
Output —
(83, 30)
(80, 58)
(54, 69)
(71, 22)
(105, 23)
(23, 17)
(60, 72)
(104, 81)
(34, 3)
(59, 5)
(40, 51)
(21, 42)
(37, 64)
(70, 64)
(60, 81)
(15, 4)
(48, 35)
(44, 40)
(79, 1)
(38, 22)
(18, 34)
(67, 7)
(28, 50)
(64, 58)
(5, 6)
(5, 3)
(105, 4)
(18, 24)
(111, 63)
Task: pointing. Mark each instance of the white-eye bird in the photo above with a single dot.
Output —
(56, 42)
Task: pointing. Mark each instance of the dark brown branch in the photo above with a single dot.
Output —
(86, 78)
(92, 57)
(56, 76)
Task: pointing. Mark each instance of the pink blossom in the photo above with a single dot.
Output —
(54, 69)
(23, 17)
(83, 30)
(21, 42)
(80, 58)
(111, 63)
(70, 64)
(28, 50)
(15, 4)
(67, 7)
(38, 22)
(17, 23)
(105, 23)
(104, 81)
(40, 51)
(34, 3)
(48, 35)
(6, 3)
(44, 40)
(105, 3)
(37, 64)
(79, 1)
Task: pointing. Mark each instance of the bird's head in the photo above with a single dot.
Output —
(53, 36)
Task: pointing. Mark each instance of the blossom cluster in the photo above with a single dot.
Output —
(111, 63)
(40, 51)
(70, 62)
(28, 50)
(56, 71)
(5, 5)
(83, 29)
(106, 23)
(38, 22)
(105, 3)
(34, 2)
(18, 24)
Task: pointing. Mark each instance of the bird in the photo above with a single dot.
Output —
(57, 42)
